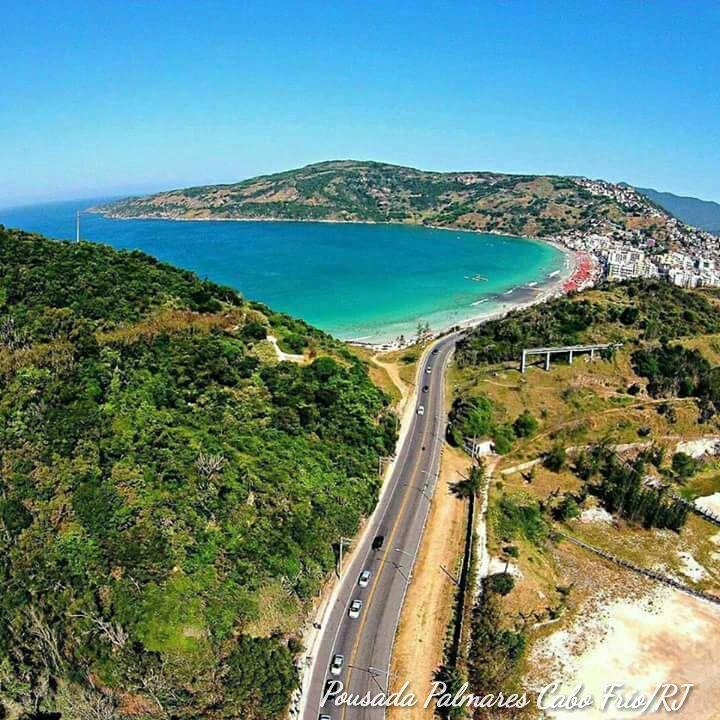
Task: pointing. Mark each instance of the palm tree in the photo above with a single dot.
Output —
(473, 484)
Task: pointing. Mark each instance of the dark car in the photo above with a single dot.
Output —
(426, 388)
(435, 351)
(377, 543)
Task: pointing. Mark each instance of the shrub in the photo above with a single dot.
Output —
(555, 459)
(684, 466)
(500, 583)
(567, 508)
(525, 425)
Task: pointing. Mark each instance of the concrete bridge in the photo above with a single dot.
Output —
(569, 350)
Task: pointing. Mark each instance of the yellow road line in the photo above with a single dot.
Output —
(377, 577)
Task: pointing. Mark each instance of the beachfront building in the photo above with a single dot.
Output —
(623, 262)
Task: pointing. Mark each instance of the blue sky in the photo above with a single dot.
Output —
(116, 97)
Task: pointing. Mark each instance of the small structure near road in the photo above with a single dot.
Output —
(478, 448)
(569, 350)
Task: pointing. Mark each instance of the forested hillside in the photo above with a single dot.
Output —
(350, 190)
(650, 310)
(169, 493)
(703, 214)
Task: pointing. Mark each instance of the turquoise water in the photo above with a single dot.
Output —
(352, 280)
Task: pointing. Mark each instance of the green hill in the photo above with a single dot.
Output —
(170, 493)
(349, 190)
(703, 214)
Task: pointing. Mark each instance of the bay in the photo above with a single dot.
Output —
(355, 281)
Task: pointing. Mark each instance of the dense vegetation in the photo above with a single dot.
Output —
(619, 486)
(350, 190)
(643, 309)
(675, 371)
(477, 417)
(169, 496)
(495, 651)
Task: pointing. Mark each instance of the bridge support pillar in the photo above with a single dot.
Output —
(571, 357)
(547, 361)
(523, 361)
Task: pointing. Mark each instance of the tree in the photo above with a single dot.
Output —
(525, 425)
(473, 484)
(567, 508)
(501, 583)
(556, 458)
(684, 466)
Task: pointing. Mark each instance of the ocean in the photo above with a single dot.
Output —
(355, 281)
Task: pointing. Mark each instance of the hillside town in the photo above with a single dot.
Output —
(684, 256)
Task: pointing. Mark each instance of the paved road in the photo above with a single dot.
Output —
(366, 643)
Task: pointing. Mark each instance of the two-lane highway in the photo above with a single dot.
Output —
(365, 643)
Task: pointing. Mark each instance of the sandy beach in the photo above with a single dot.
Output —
(517, 298)
(663, 637)
(488, 306)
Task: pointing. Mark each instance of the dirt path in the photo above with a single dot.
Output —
(283, 356)
(419, 644)
(393, 373)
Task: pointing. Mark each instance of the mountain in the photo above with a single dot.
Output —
(703, 214)
(170, 493)
(349, 190)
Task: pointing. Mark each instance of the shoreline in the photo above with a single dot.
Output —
(542, 289)
(449, 228)
(545, 289)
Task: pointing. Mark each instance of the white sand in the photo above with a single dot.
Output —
(710, 502)
(596, 515)
(496, 565)
(668, 637)
(691, 567)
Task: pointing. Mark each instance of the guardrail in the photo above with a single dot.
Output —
(652, 574)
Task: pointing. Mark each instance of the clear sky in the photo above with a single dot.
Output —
(123, 96)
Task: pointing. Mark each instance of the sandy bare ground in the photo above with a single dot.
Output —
(393, 372)
(710, 502)
(428, 606)
(665, 637)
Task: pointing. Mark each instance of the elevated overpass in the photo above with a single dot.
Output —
(569, 350)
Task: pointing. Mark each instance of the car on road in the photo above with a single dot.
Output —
(336, 665)
(324, 717)
(435, 351)
(428, 369)
(355, 608)
(421, 410)
(425, 388)
(377, 543)
(364, 578)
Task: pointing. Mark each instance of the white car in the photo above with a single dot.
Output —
(324, 717)
(355, 608)
(336, 665)
(364, 578)
(428, 369)
(421, 410)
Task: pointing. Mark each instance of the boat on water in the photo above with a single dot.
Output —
(553, 273)
(479, 302)
(531, 284)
